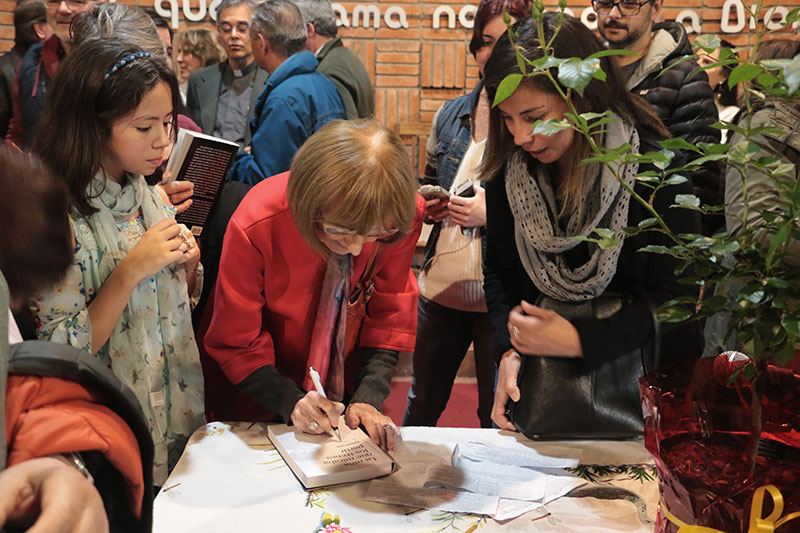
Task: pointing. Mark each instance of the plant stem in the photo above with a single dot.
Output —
(755, 415)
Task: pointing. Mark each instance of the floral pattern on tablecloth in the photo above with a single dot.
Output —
(329, 523)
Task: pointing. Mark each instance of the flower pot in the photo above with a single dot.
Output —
(697, 430)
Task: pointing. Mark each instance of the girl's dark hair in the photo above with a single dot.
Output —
(82, 106)
(725, 94)
(488, 10)
(35, 237)
(573, 40)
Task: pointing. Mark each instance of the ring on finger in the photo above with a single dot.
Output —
(186, 240)
(515, 331)
(313, 426)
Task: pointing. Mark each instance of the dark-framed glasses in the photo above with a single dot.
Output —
(627, 8)
(71, 4)
(338, 231)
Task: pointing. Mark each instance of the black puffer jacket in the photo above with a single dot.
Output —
(683, 99)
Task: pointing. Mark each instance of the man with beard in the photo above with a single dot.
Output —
(39, 66)
(681, 95)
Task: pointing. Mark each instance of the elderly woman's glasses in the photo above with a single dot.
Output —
(337, 231)
(627, 8)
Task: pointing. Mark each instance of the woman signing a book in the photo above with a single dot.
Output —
(298, 248)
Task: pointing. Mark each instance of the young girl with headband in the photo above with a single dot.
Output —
(108, 122)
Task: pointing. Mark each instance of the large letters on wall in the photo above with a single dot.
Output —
(734, 16)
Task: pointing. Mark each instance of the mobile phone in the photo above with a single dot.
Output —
(434, 192)
(465, 190)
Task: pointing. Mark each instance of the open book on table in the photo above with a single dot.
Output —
(323, 460)
(205, 161)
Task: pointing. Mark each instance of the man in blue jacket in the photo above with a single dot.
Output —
(296, 101)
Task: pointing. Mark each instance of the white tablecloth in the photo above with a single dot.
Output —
(230, 478)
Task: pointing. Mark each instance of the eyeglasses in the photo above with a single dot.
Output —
(242, 27)
(71, 4)
(627, 8)
(337, 231)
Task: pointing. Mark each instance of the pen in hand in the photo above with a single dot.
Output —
(318, 386)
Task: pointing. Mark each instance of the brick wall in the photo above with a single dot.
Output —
(416, 65)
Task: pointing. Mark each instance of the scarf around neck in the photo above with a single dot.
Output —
(152, 348)
(542, 236)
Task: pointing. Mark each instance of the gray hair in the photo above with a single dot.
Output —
(320, 14)
(120, 22)
(281, 24)
(227, 4)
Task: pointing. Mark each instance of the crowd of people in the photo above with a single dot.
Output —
(319, 218)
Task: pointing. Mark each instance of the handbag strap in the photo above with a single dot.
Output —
(365, 283)
(655, 349)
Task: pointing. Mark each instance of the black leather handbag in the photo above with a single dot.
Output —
(560, 399)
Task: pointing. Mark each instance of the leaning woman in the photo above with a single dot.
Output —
(539, 198)
(293, 250)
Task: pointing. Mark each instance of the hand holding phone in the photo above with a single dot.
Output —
(465, 190)
(434, 192)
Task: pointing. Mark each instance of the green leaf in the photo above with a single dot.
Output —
(678, 143)
(777, 240)
(646, 223)
(793, 16)
(546, 62)
(687, 200)
(677, 179)
(656, 249)
(708, 42)
(615, 52)
(507, 88)
(725, 248)
(778, 283)
(577, 74)
(792, 326)
(550, 126)
(673, 314)
(784, 354)
(765, 79)
(599, 75)
(742, 73)
(713, 148)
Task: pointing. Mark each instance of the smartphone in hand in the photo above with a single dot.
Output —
(434, 192)
(465, 190)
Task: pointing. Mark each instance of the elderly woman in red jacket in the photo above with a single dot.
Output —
(293, 248)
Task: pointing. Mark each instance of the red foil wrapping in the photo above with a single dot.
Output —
(697, 431)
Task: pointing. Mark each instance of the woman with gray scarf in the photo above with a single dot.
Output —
(539, 198)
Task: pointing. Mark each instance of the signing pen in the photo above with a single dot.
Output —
(318, 385)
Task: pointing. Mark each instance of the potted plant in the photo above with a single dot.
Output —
(725, 432)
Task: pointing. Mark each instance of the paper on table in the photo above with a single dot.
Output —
(446, 500)
(508, 509)
(518, 484)
(527, 457)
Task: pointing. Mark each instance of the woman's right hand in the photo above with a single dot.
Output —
(315, 414)
(159, 247)
(507, 389)
(435, 210)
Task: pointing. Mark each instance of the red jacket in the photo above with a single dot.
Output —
(269, 286)
(46, 416)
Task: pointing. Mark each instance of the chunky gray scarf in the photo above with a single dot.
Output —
(542, 236)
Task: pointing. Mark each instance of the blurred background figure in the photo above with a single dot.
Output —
(194, 49)
(30, 27)
(724, 97)
(39, 66)
(163, 29)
